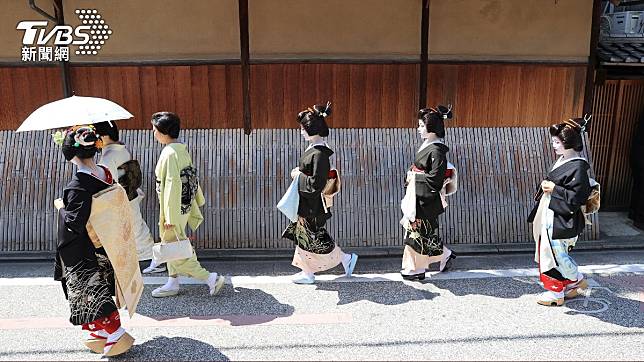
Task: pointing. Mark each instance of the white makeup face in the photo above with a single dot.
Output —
(557, 145)
(422, 129)
(304, 134)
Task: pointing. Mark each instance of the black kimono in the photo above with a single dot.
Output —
(432, 161)
(572, 188)
(85, 272)
(310, 233)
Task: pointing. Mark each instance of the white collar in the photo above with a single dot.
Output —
(426, 144)
(86, 170)
(321, 143)
(561, 161)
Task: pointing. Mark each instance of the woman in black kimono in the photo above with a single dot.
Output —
(315, 250)
(85, 271)
(557, 217)
(423, 245)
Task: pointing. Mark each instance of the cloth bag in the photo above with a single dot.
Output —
(289, 203)
(593, 203)
(450, 184)
(331, 189)
(164, 251)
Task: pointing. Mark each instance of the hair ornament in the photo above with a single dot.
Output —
(587, 118)
(80, 138)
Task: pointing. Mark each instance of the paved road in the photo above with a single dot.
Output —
(485, 309)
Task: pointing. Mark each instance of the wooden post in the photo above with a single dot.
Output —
(592, 58)
(424, 55)
(245, 63)
(59, 18)
(64, 65)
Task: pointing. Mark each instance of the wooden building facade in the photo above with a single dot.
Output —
(509, 68)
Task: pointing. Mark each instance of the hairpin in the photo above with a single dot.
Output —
(587, 118)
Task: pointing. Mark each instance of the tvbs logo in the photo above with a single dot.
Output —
(36, 34)
(90, 37)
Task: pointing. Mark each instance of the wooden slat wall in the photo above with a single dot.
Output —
(364, 95)
(205, 96)
(243, 177)
(508, 95)
(618, 106)
(22, 90)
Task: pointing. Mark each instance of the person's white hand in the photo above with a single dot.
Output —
(294, 172)
(547, 186)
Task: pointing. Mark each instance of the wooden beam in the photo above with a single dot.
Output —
(65, 74)
(592, 58)
(59, 18)
(245, 63)
(424, 54)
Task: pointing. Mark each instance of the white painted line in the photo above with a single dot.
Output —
(610, 269)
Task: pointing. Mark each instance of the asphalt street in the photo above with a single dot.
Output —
(482, 310)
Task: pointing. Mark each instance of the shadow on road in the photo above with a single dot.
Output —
(385, 293)
(238, 306)
(175, 348)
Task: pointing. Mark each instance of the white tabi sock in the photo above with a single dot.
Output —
(553, 295)
(171, 284)
(113, 337)
(153, 264)
(101, 333)
(580, 277)
(212, 279)
(346, 259)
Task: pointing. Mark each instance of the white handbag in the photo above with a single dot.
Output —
(168, 251)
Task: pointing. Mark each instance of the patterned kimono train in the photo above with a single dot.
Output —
(423, 245)
(315, 249)
(85, 271)
(557, 222)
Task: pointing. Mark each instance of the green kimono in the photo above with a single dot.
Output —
(175, 158)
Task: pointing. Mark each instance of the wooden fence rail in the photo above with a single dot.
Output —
(243, 177)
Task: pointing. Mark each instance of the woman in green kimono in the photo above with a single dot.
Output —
(179, 198)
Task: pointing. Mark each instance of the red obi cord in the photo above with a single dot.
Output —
(110, 323)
